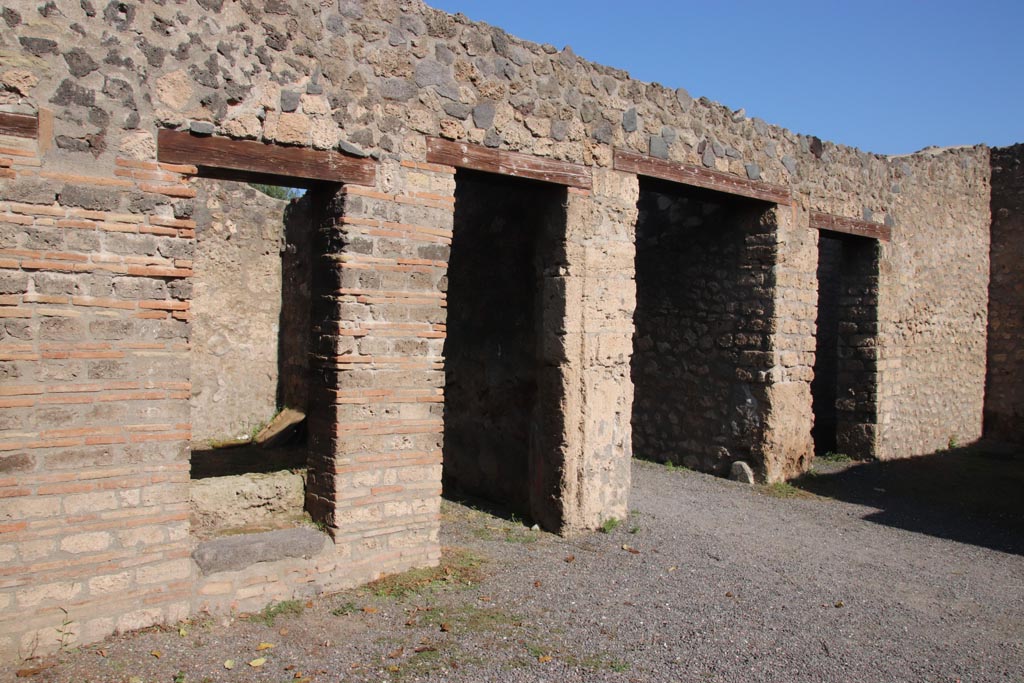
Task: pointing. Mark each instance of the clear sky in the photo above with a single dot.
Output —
(886, 76)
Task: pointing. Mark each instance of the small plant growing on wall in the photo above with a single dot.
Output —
(276, 191)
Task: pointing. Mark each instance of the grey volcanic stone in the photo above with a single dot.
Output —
(684, 98)
(38, 46)
(397, 89)
(559, 129)
(202, 127)
(289, 100)
(457, 110)
(790, 163)
(741, 472)
(492, 139)
(753, 171)
(349, 148)
(79, 62)
(483, 115)
(89, 198)
(238, 552)
(658, 147)
(430, 72)
(629, 120)
(28, 192)
(708, 157)
(603, 133)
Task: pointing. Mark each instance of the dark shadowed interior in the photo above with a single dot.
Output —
(703, 268)
(844, 388)
(498, 395)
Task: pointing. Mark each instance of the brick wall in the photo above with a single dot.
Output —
(377, 398)
(94, 440)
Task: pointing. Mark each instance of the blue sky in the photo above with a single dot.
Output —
(888, 77)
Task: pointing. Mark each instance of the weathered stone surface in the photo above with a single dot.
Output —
(237, 552)
(741, 472)
(237, 309)
(174, 89)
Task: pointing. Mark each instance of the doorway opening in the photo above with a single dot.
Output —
(250, 318)
(700, 348)
(502, 424)
(844, 388)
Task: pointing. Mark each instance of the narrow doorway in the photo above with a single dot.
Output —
(844, 388)
(501, 424)
(250, 323)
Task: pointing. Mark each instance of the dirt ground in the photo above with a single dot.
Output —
(906, 571)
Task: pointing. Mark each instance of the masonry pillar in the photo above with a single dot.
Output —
(788, 417)
(600, 296)
(377, 400)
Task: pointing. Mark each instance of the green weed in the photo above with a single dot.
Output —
(285, 608)
(832, 456)
(784, 489)
(458, 569)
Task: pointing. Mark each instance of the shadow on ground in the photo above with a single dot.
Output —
(972, 495)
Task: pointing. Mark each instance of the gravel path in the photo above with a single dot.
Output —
(706, 581)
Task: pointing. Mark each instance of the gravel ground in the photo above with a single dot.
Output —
(706, 581)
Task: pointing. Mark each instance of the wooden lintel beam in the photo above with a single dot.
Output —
(850, 226)
(480, 158)
(295, 166)
(697, 176)
(19, 125)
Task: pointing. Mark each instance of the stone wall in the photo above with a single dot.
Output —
(96, 255)
(1004, 386)
(933, 302)
(703, 305)
(236, 309)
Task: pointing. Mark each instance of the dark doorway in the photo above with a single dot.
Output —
(703, 279)
(826, 344)
(844, 388)
(502, 429)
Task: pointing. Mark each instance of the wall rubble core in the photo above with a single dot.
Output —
(98, 245)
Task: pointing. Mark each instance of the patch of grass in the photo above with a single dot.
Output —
(634, 529)
(344, 609)
(673, 467)
(832, 456)
(601, 662)
(285, 608)
(784, 489)
(470, 619)
(536, 650)
(509, 534)
(609, 525)
(458, 569)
